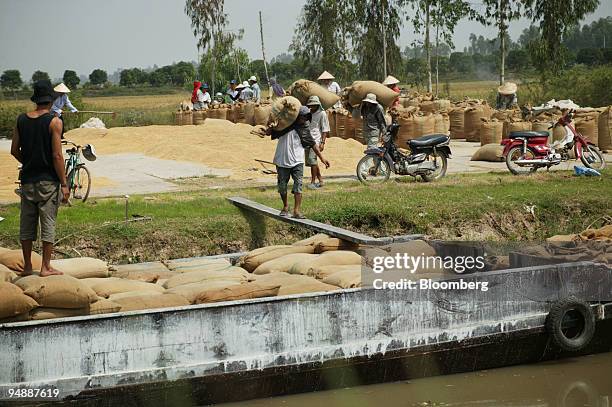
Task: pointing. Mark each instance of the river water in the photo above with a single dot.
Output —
(577, 382)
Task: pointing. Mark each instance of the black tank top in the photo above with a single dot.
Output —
(36, 150)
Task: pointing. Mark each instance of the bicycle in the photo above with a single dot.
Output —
(78, 177)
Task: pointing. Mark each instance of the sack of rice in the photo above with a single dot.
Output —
(147, 272)
(491, 132)
(513, 126)
(283, 264)
(489, 152)
(191, 291)
(239, 292)
(178, 118)
(312, 240)
(13, 259)
(322, 272)
(199, 117)
(184, 265)
(113, 285)
(423, 125)
(222, 113)
(587, 126)
(14, 302)
(604, 129)
(340, 124)
(42, 313)
(103, 306)
(558, 133)
(457, 121)
(338, 257)
(344, 279)
(359, 89)
(418, 249)
(406, 131)
(230, 274)
(284, 112)
(128, 294)
(141, 302)
(358, 129)
(442, 105)
(331, 118)
(187, 119)
(427, 106)
(312, 286)
(82, 267)
(472, 122)
(249, 113)
(333, 243)
(542, 126)
(7, 275)
(261, 115)
(58, 291)
(254, 258)
(441, 123)
(303, 89)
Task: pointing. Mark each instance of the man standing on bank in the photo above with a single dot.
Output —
(37, 146)
(319, 130)
(289, 159)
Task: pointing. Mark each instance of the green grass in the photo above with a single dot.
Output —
(469, 207)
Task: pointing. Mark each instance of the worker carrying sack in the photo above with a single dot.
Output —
(303, 89)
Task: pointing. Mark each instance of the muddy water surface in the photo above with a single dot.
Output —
(582, 381)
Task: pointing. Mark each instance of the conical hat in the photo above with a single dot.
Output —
(325, 75)
(508, 88)
(61, 88)
(390, 80)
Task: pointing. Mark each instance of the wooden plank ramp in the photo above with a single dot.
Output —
(319, 227)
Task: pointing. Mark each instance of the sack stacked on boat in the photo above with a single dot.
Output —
(14, 303)
(82, 267)
(13, 259)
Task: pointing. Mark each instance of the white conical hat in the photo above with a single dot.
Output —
(325, 75)
(61, 88)
(390, 80)
(508, 88)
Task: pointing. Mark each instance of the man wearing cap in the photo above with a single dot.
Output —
(37, 146)
(319, 129)
(327, 80)
(289, 159)
(232, 92)
(203, 98)
(373, 116)
(255, 89)
(246, 95)
(391, 82)
(62, 101)
(506, 96)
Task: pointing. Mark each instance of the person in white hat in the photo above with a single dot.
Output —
(60, 102)
(255, 88)
(506, 96)
(319, 130)
(373, 116)
(246, 94)
(392, 83)
(327, 80)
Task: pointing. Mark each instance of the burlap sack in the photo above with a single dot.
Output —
(312, 240)
(558, 133)
(349, 128)
(249, 113)
(199, 117)
(283, 264)
(358, 129)
(7, 275)
(39, 314)
(427, 106)
(340, 124)
(222, 113)
(178, 118)
(103, 306)
(457, 122)
(344, 279)
(423, 125)
(489, 152)
(441, 123)
(491, 132)
(239, 292)
(542, 126)
(339, 257)
(90, 282)
(13, 301)
(322, 272)
(441, 105)
(128, 294)
(333, 243)
(187, 119)
(230, 274)
(587, 126)
(147, 272)
(61, 291)
(13, 259)
(82, 267)
(331, 118)
(604, 129)
(254, 258)
(191, 291)
(517, 126)
(182, 266)
(412, 248)
(312, 286)
(406, 131)
(261, 114)
(359, 89)
(284, 112)
(302, 89)
(142, 302)
(472, 122)
(113, 285)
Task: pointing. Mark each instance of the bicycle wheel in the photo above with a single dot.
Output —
(81, 183)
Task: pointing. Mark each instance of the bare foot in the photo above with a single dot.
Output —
(27, 272)
(46, 272)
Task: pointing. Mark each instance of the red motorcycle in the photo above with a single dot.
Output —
(526, 151)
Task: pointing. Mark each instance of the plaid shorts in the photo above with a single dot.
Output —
(283, 176)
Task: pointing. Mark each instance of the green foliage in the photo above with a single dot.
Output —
(585, 86)
(134, 76)
(98, 77)
(11, 79)
(40, 76)
(71, 79)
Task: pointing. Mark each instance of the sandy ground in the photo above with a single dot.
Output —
(139, 160)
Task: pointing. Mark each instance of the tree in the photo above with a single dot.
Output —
(517, 60)
(40, 76)
(98, 77)
(500, 13)
(11, 79)
(590, 56)
(71, 79)
(555, 19)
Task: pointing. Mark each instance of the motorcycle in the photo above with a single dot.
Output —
(427, 158)
(526, 151)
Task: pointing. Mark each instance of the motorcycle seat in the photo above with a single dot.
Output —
(528, 134)
(428, 140)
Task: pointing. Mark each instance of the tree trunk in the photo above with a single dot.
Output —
(502, 41)
(384, 38)
(428, 47)
(263, 52)
(437, 58)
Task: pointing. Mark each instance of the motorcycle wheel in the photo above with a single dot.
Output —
(440, 171)
(372, 169)
(591, 157)
(514, 154)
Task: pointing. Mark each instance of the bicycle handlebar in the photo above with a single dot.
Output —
(66, 142)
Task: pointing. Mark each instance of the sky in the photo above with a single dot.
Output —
(83, 35)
